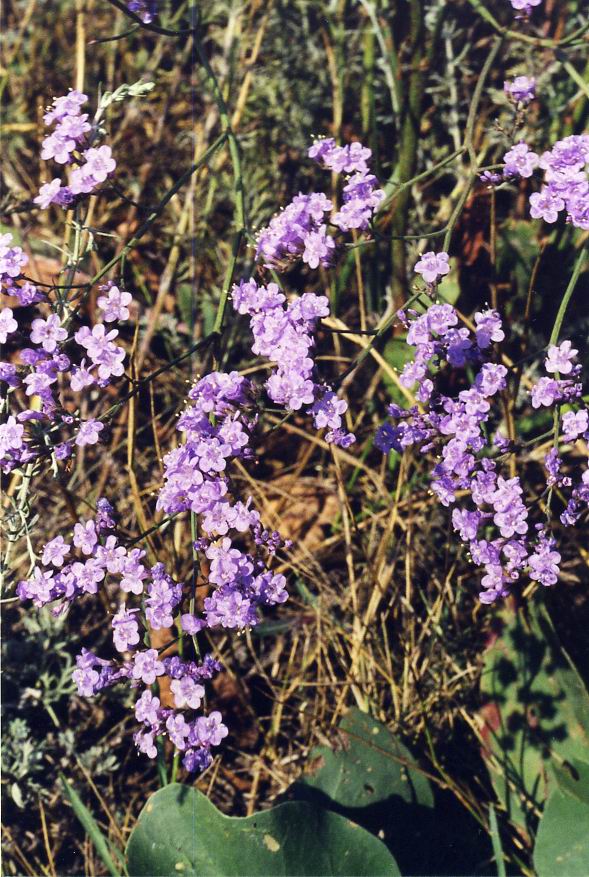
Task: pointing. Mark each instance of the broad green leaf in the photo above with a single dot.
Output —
(562, 842)
(367, 765)
(537, 714)
(180, 832)
(369, 776)
(573, 779)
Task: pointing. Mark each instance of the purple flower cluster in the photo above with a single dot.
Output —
(495, 523)
(300, 230)
(57, 359)
(284, 334)
(217, 430)
(566, 182)
(70, 144)
(94, 557)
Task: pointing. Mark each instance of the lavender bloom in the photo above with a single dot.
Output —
(147, 708)
(208, 730)
(125, 629)
(559, 358)
(89, 433)
(55, 552)
(8, 324)
(145, 9)
(520, 161)
(575, 424)
(524, 6)
(114, 303)
(187, 693)
(144, 740)
(12, 260)
(433, 266)
(544, 561)
(521, 90)
(147, 667)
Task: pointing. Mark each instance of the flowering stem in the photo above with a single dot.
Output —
(479, 7)
(238, 192)
(567, 297)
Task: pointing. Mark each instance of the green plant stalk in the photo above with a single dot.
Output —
(575, 75)
(91, 827)
(496, 841)
(568, 293)
(407, 160)
(480, 7)
(238, 190)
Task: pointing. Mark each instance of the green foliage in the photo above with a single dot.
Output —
(180, 831)
(537, 715)
(368, 766)
(92, 829)
(562, 842)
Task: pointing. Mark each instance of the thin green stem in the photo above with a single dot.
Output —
(480, 7)
(567, 297)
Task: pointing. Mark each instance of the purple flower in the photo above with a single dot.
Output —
(524, 5)
(178, 730)
(55, 551)
(574, 424)
(545, 392)
(491, 379)
(543, 562)
(125, 629)
(488, 328)
(146, 666)
(559, 358)
(11, 437)
(144, 740)
(145, 9)
(89, 432)
(147, 708)
(433, 266)
(114, 304)
(85, 537)
(48, 333)
(8, 324)
(318, 247)
(520, 161)
(85, 676)
(546, 205)
(208, 730)
(521, 90)
(187, 693)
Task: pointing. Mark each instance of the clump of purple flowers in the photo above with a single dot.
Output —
(216, 428)
(566, 182)
(301, 230)
(493, 519)
(284, 334)
(70, 143)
